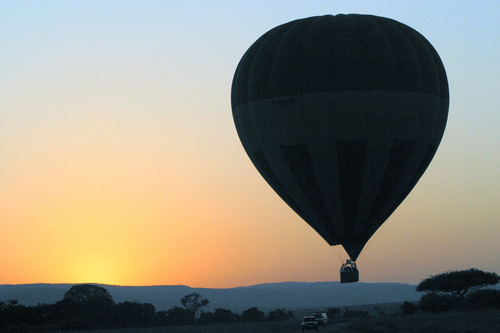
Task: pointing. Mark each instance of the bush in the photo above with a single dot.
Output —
(409, 308)
(179, 316)
(483, 298)
(133, 314)
(78, 324)
(220, 315)
(280, 314)
(332, 312)
(352, 314)
(252, 315)
(435, 302)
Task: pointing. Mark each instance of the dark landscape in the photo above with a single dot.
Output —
(454, 301)
(290, 295)
(391, 322)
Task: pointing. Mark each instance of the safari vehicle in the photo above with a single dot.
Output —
(309, 323)
(321, 318)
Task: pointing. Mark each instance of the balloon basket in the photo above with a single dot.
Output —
(349, 272)
(348, 277)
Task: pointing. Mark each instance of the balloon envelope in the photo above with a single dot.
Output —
(341, 115)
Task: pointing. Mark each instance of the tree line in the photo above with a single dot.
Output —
(89, 306)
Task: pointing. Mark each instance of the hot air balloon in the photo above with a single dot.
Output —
(341, 115)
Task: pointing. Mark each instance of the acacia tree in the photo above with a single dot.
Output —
(458, 282)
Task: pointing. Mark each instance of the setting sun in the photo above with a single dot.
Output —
(92, 267)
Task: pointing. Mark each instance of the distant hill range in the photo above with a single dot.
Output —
(287, 295)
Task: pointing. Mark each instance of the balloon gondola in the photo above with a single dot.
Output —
(341, 115)
(349, 272)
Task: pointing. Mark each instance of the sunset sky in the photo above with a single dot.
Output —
(120, 162)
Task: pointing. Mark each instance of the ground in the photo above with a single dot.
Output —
(384, 318)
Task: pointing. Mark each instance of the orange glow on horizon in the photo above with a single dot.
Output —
(120, 235)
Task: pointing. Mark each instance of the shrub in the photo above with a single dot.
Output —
(179, 316)
(332, 312)
(280, 314)
(409, 308)
(351, 314)
(435, 302)
(483, 298)
(220, 315)
(252, 315)
(133, 314)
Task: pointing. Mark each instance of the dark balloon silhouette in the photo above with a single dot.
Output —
(341, 115)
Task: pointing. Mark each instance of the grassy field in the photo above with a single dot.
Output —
(383, 318)
(458, 322)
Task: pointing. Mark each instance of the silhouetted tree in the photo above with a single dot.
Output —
(205, 318)
(179, 316)
(133, 314)
(161, 318)
(86, 306)
(252, 315)
(12, 303)
(458, 282)
(220, 315)
(483, 298)
(194, 302)
(88, 294)
(435, 302)
(13, 313)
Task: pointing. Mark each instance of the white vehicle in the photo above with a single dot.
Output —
(309, 323)
(321, 318)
